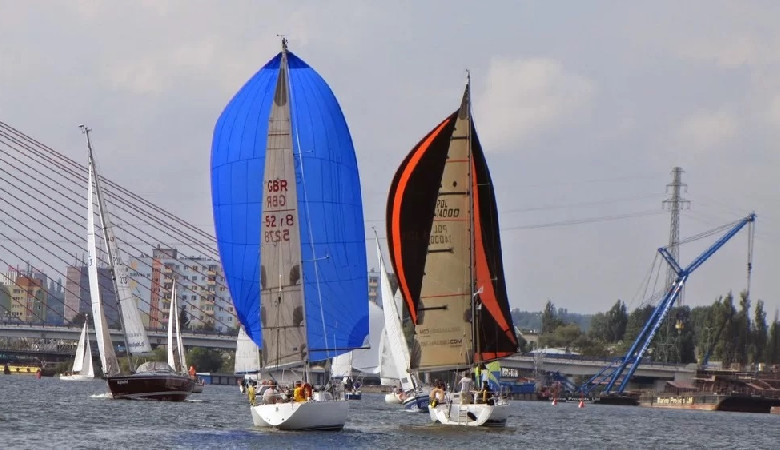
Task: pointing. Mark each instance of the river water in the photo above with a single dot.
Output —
(49, 413)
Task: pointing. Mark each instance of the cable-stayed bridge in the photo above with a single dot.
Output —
(43, 218)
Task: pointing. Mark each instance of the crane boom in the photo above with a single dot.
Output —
(634, 356)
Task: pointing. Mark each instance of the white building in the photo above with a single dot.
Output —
(200, 288)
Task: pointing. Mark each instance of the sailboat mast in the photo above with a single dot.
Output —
(101, 209)
(474, 313)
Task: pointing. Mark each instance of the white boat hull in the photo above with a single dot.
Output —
(392, 398)
(76, 377)
(311, 415)
(453, 413)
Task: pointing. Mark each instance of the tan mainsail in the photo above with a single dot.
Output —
(281, 295)
(443, 330)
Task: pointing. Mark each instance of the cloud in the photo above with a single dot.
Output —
(525, 97)
(706, 130)
(773, 112)
(732, 51)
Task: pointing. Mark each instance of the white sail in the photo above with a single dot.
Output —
(176, 357)
(137, 340)
(387, 370)
(341, 366)
(78, 361)
(105, 346)
(87, 369)
(396, 341)
(366, 360)
(247, 354)
(179, 343)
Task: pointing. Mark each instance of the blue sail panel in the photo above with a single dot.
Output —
(329, 202)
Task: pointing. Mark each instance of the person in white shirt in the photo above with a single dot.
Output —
(466, 383)
(269, 396)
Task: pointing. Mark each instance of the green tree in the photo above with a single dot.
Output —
(617, 320)
(562, 337)
(184, 318)
(550, 319)
(78, 319)
(205, 359)
(773, 345)
(726, 345)
(759, 333)
(743, 331)
(636, 321)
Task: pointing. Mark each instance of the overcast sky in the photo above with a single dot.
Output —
(583, 109)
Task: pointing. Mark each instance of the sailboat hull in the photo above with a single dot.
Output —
(392, 398)
(167, 387)
(76, 377)
(312, 415)
(417, 402)
(453, 413)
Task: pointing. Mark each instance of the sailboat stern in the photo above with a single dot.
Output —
(310, 415)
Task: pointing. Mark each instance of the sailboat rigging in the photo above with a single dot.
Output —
(444, 242)
(152, 380)
(289, 222)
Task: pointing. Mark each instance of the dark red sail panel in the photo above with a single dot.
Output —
(496, 332)
(410, 209)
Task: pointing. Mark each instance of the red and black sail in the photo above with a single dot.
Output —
(429, 193)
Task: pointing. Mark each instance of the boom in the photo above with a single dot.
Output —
(616, 372)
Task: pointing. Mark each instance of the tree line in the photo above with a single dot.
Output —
(726, 331)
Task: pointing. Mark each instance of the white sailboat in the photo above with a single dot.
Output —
(177, 357)
(444, 242)
(247, 362)
(152, 380)
(410, 394)
(289, 221)
(82, 369)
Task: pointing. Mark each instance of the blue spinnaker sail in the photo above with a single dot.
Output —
(335, 280)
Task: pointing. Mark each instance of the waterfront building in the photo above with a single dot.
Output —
(374, 293)
(23, 295)
(77, 298)
(55, 301)
(200, 287)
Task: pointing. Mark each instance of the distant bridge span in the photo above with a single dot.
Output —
(586, 367)
(156, 337)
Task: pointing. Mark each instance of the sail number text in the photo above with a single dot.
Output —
(276, 197)
(442, 210)
(277, 228)
(277, 224)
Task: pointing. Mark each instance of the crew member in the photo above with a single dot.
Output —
(250, 392)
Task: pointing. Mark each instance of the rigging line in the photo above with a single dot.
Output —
(578, 205)
(81, 178)
(65, 289)
(646, 281)
(708, 232)
(121, 202)
(104, 276)
(708, 220)
(32, 175)
(34, 208)
(596, 180)
(584, 221)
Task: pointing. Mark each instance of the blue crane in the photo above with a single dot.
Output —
(615, 372)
